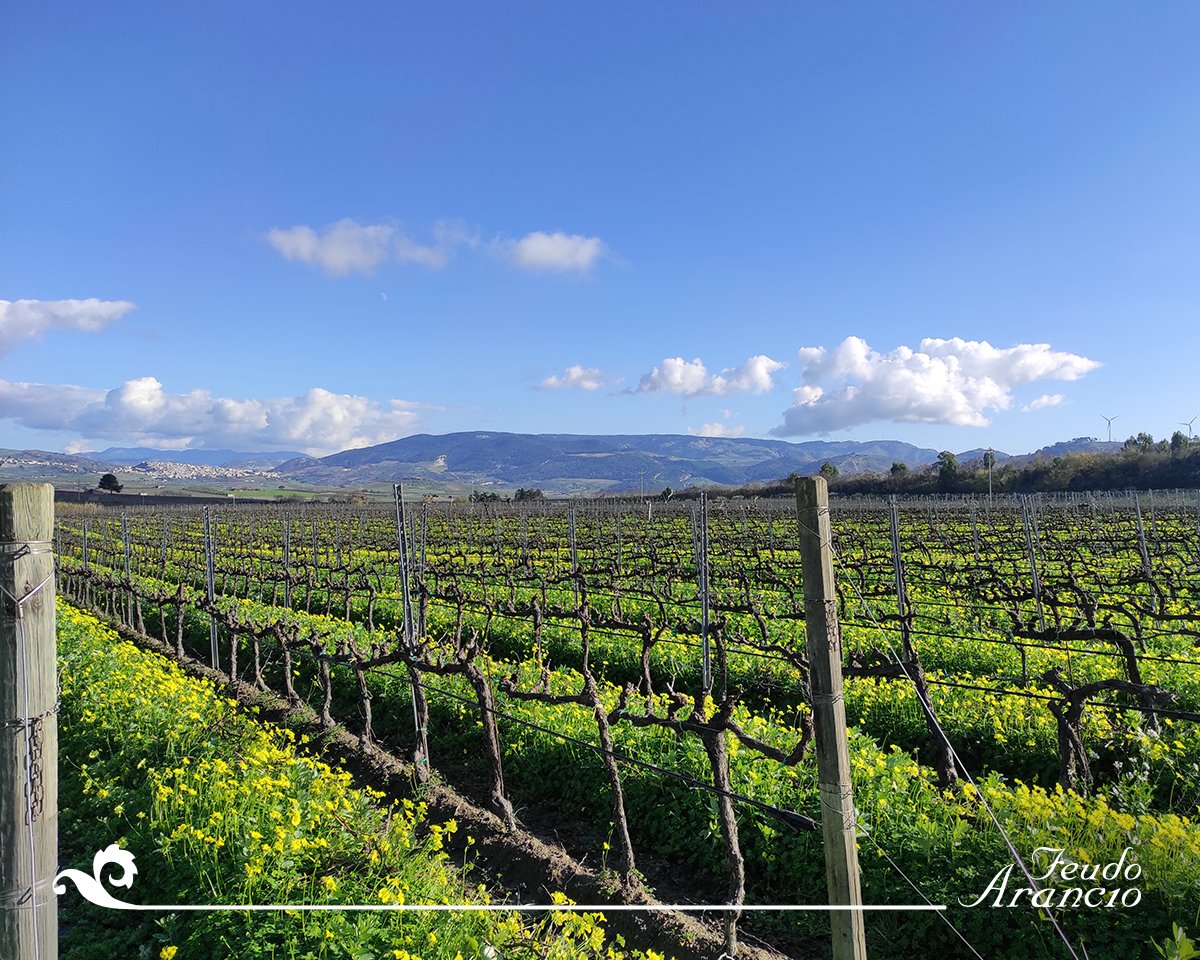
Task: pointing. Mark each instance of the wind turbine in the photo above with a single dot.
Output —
(1110, 420)
(1188, 424)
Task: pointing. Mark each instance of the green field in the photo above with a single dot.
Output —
(559, 649)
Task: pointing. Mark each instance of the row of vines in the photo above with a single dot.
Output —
(216, 805)
(640, 674)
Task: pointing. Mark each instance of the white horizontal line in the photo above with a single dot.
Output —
(527, 907)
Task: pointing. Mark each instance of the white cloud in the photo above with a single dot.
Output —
(716, 430)
(42, 406)
(554, 252)
(448, 236)
(350, 247)
(140, 412)
(754, 375)
(690, 378)
(585, 378)
(676, 375)
(27, 319)
(1045, 400)
(1024, 363)
(951, 381)
(345, 247)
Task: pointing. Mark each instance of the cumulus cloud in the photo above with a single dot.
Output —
(140, 411)
(585, 378)
(552, 252)
(953, 381)
(351, 247)
(676, 375)
(690, 378)
(27, 319)
(1045, 400)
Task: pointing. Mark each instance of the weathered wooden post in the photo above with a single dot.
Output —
(829, 718)
(28, 724)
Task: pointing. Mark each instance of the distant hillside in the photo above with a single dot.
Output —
(969, 456)
(127, 456)
(33, 466)
(577, 463)
(81, 471)
(556, 463)
(1078, 445)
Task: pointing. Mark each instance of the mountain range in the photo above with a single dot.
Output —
(575, 463)
(555, 463)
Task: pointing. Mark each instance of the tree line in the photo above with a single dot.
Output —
(1143, 463)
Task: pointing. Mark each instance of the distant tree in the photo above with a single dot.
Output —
(667, 493)
(533, 493)
(480, 496)
(989, 458)
(1179, 443)
(109, 482)
(947, 466)
(1141, 443)
(828, 470)
(899, 468)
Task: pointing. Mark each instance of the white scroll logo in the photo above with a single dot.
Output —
(92, 887)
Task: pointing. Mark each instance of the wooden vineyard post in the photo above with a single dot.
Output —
(829, 718)
(28, 724)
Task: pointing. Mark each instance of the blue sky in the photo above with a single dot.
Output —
(314, 226)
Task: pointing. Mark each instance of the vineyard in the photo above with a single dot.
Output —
(633, 680)
(231, 811)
